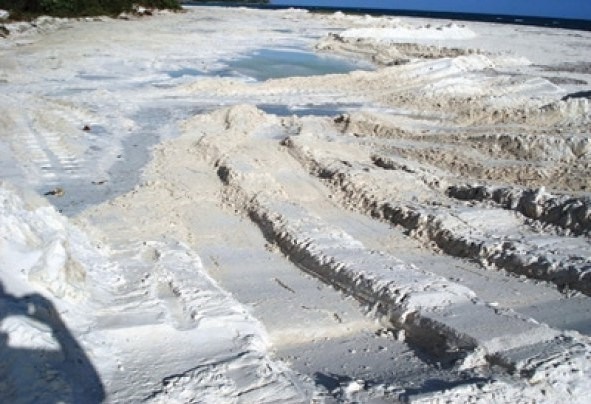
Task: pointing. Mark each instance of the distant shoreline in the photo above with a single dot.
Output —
(565, 23)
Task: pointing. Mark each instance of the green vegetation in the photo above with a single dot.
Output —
(26, 9)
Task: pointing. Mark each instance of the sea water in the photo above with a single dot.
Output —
(563, 9)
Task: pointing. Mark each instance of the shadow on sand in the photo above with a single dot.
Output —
(62, 373)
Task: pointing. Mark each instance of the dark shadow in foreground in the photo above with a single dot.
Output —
(62, 373)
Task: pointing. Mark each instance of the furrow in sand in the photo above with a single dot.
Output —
(568, 212)
(445, 317)
(501, 238)
(316, 329)
(536, 156)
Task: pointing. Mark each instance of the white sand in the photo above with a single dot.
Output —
(423, 235)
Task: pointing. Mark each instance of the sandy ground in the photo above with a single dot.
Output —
(197, 209)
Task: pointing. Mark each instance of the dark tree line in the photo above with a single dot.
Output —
(20, 9)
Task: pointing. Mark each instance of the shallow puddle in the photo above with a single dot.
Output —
(328, 109)
(95, 77)
(264, 64)
(175, 74)
(267, 64)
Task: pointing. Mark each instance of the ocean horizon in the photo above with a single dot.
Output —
(566, 16)
(563, 9)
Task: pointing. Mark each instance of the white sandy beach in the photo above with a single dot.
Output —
(229, 205)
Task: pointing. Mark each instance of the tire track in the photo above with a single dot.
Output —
(444, 316)
(501, 239)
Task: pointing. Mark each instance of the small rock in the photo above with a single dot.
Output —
(354, 386)
(55, 192)
(400, 335)
(4, 15)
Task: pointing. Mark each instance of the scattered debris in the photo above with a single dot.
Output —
(284, 286)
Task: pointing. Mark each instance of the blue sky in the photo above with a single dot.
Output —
(579, 9)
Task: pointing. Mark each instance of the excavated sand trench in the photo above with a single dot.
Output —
(428, 239)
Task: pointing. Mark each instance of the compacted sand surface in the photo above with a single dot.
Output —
(235, 205)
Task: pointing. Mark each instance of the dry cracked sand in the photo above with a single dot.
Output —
(236, 205)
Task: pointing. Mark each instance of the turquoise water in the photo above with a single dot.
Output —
(326, 109)
(266, 64)
(175, 74)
